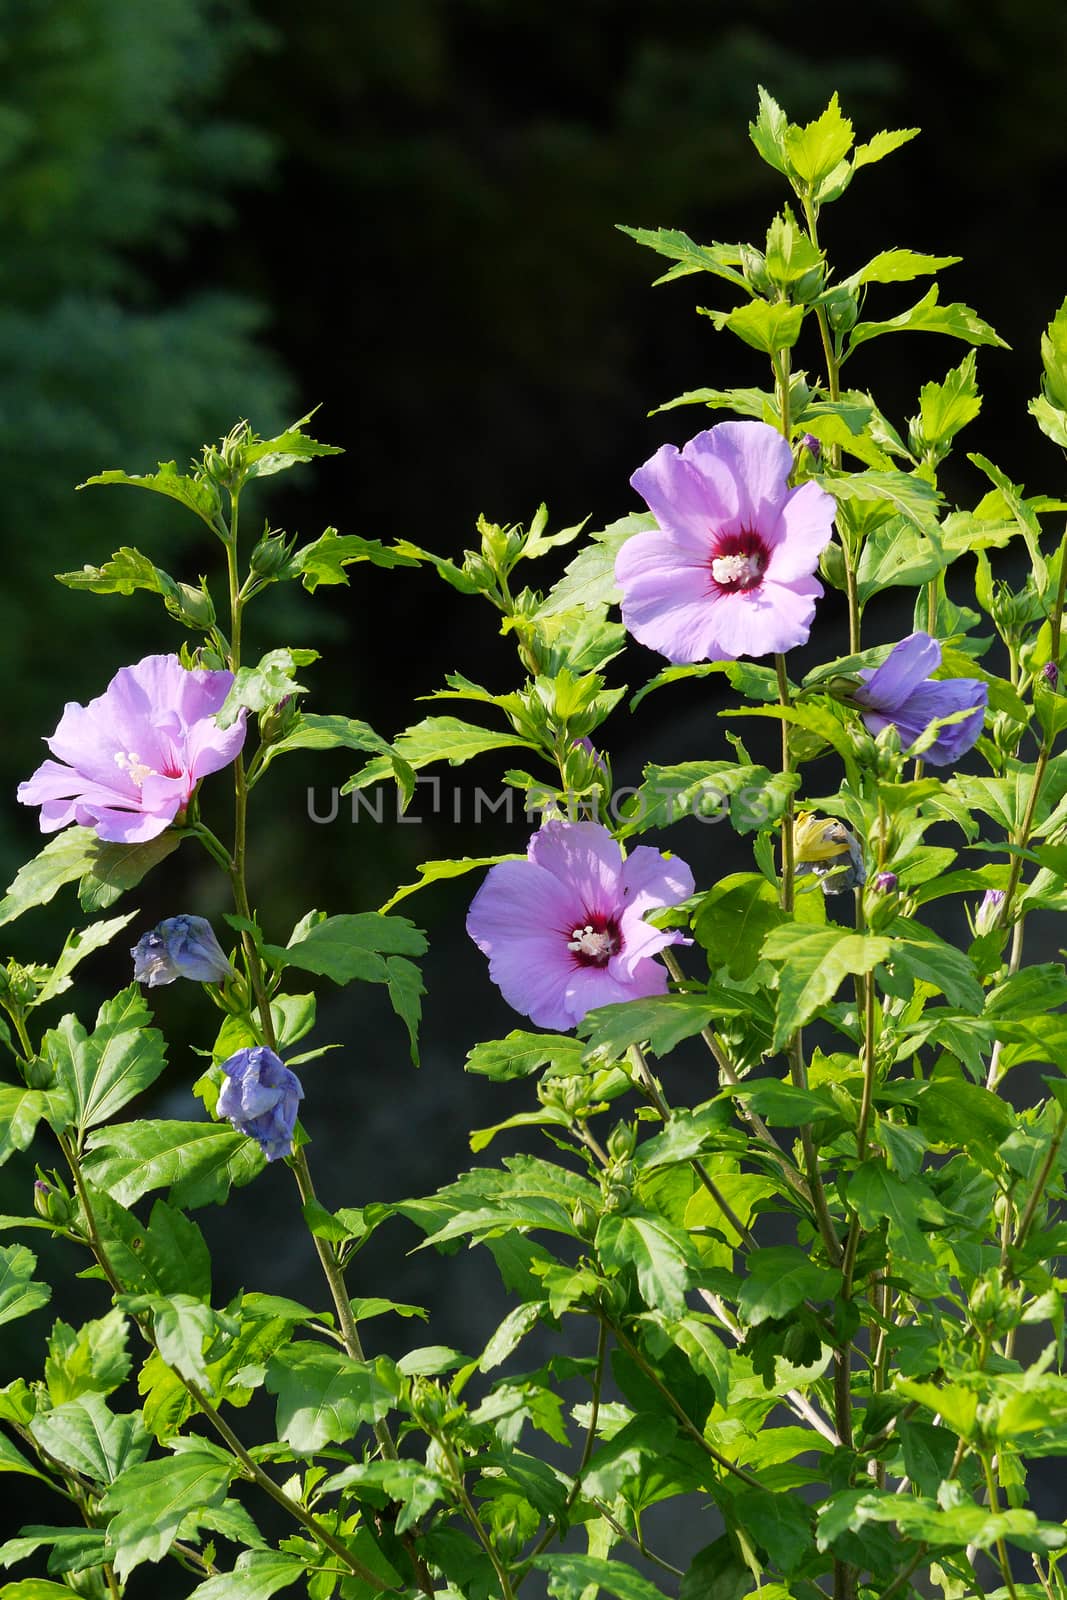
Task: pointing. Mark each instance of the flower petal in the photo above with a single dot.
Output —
(585, 858)
(774, 618)
(691, 493)
(667, 599)
(758, 460)
(649, 880)
(804, 529)
(907, 665)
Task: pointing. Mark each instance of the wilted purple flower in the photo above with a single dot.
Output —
(985, 918)
(886, 882)
(260, 1097)
(902, 692)
(730, 570)
(130, 760)
(180, 947)
(564, 929)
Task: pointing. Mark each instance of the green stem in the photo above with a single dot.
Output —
(652, 1090)
(788, 848)
(683, 1416)
(252, 1469)
(470, 1512)
(334, 1275)
(994, 1506)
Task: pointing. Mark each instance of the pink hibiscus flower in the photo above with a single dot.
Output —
(730, 570)
(564, 929)
(130, 760)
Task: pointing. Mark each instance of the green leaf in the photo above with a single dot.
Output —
(198, 1161)
(817, 149)
(437, 739)
(589, 580)
(435, 871)
(753, 797)
(881, 145)
(182, 1325)
(147, 1503)
(257, 1575)
(923, 955)
(68, 856)
(324, 1396)
(264, 685)
(79, 944)
(663, 1259)
(945, 408)
(660, 1022)
(199, 494)
(311, 732)
(263, 457)
(521, 1053)
(768, 326)
(735, 918)
(103, 1070)
(814, 962)
(723, 260)
(36, 1589)
(570, 1576)
(89, 1359)
(114, 868)
(127, 571)
(350, 947)
(899, 266)
(874, 1192)
(779, 1280)
(168, 1257)
(768, 132)
(876, 496)
(20, 1112)
(89, 1438)
(1054, 358)
(927, 316)
(12, 1460)
(780, 1525)
(406, 989)
(19, 1294)
(1021, 509)
(325, 559)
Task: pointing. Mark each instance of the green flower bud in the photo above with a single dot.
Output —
(842, 309)
(622, 1141)
(276, 721)
(52, 1201)
(754, 268)
(584, 1218)
(271, 554)
(192, 606)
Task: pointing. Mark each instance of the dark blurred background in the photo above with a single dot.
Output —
(404, 210)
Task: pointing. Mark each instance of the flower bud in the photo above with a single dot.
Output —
(811, 445)
(277, 720)
(754, 268)
(842, 309)
(52, 1202)
(180, 947)
(885, 882)
(270, 555)
(622, 1141)
(987, 916)
(192, 606)
(1051, 674)
(584, 1218)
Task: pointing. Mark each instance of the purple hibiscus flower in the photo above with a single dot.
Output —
(902, 692)
(564, 929)
(180, 947)
(260, 1097)
(130, 760)
(730, 570)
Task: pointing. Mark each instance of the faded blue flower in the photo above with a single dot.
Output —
(180, 947)
(828, 849)
(902, 692)
(260, 1097)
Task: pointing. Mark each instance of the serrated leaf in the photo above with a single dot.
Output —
(78, 944)
(20, 1111)
(269, 682)
(817, 149)
(19, 1294)
(899, 266)
(589, 580)
(435, 871)
(734, 919)
(663, 1260)
(779, 1280)
(521, 1053)
(90, 1359)
(768, 326)
(813, 963)
(723, 260)
(85, 1435)
(660, 1022)
(198, 1161)
(350, 947)
(325, 559)
(928, 316)
(66, 857)
(257, 1575)
(881, 145)
(753, 797)
(324, 1396)
(262, 457)
(103, 1070)
(114, 868)
(311, 732)
(198, 494)
(570, 1576)
(147, 1503)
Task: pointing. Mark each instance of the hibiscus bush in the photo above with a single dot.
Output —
(819, 1309)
